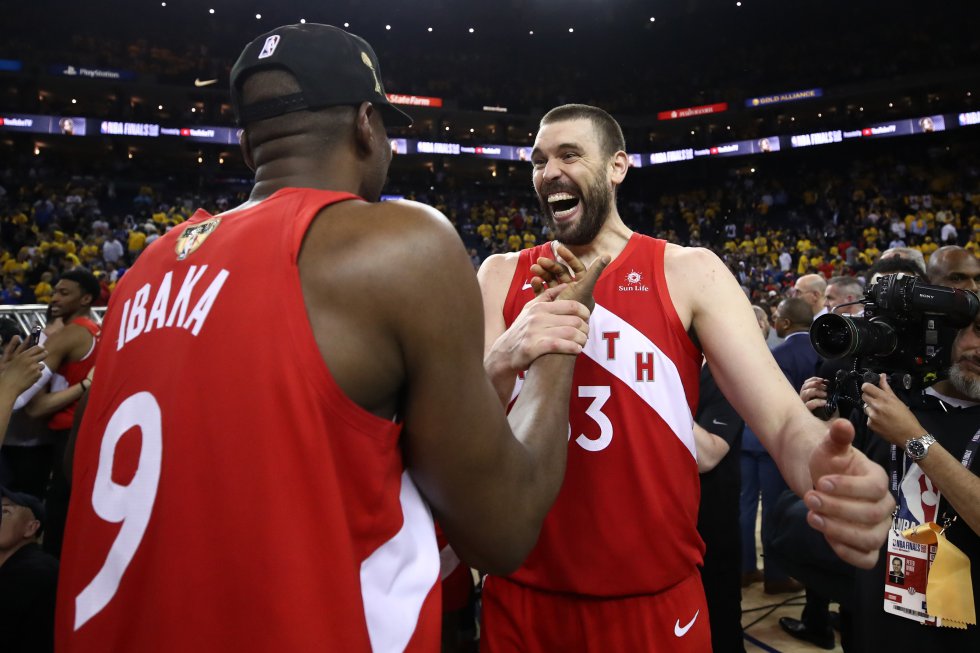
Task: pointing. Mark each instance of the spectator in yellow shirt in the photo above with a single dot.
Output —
(804, 265)
(43, 291)
(90, 250)
(928, 247)
(137, 241)
(485, 230)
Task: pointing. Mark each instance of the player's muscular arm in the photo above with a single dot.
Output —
(708, 298)
(68, 344)
(489, 489)
(847, 494)
(543, 326)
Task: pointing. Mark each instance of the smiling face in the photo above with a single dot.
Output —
(572, 179)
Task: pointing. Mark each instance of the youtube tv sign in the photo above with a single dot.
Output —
(690, 112)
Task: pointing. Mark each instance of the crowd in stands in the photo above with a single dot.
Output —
(768, 231)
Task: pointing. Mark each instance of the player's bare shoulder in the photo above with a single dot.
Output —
(422, 230)
(692, 266)
(397, 234)
(693, 275)
(498, 269)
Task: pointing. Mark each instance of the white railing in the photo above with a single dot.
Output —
(29, 315)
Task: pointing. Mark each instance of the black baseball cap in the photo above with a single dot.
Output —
(333, 68)
(28, 501)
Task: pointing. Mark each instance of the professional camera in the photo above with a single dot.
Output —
(907, 330)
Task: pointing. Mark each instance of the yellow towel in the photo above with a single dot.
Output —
(949, 591)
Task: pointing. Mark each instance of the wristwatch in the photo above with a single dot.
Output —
(917, 448)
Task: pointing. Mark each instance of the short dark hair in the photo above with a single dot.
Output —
(797, 311)
(610, 133)
(86, 280)
(311, 129)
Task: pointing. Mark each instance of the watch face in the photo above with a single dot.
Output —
(916, 449)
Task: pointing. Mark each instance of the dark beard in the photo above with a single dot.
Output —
(596, 201)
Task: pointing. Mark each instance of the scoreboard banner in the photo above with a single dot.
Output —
(221, 135)
(791, 96)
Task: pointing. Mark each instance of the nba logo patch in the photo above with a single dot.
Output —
(194, 236)
(269, 46)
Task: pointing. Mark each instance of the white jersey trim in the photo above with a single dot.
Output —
(665, 395)
(398, 576)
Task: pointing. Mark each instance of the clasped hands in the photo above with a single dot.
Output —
(557, 320)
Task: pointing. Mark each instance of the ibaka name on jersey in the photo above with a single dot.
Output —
(168, 309)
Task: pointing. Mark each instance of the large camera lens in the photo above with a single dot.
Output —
(835, 336)
(901, 295)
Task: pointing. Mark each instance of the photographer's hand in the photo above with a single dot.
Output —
(850, 503)
(887, 415)
(895, 423)
(814, 393)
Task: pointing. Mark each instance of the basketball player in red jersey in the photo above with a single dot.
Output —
(615, 567)
(250, 485)
(72, 351)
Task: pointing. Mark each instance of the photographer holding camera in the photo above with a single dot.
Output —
(915, 331)
(929, 450)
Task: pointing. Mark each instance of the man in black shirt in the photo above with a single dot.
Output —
(28, 577)
(935, 480)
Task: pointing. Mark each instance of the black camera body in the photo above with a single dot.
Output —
(908, 330)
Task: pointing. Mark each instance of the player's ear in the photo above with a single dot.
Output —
(363, 128)
(618, 166)
(246, 150)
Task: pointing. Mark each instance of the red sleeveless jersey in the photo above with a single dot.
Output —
(625, 521)
(72, 372)
(227, 495)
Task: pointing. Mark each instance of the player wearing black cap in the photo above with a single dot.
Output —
(286, 468)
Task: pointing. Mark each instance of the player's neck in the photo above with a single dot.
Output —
(267, 187)
(611, 240)
(332, 174)
(83, 312)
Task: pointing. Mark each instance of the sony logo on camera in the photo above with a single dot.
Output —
(908, 328)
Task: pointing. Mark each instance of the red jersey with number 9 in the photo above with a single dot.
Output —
(625, 521)
(227, 495)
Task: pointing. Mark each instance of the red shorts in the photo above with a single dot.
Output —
(520, 619)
